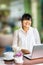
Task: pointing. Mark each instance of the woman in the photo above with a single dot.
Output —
(26, 37)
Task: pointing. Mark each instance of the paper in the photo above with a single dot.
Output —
(1, 61)
(39, 64)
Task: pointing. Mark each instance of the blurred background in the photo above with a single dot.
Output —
(10, 16)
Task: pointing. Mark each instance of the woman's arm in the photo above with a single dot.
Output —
(15, 40)
(25, 51)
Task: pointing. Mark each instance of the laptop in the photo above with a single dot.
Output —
(37, 52)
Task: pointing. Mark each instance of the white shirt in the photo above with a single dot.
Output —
(26, 40)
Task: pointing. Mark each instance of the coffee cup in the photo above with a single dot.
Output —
(8, 55)
(18, 59)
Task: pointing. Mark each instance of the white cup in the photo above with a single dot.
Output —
(9, 55)
(18, 59)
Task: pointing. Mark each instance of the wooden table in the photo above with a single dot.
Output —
(26, 61)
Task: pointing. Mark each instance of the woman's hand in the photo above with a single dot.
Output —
(24, 51)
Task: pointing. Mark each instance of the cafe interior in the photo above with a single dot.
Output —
(11, 12)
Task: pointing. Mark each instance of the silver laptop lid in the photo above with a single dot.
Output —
(37, 51)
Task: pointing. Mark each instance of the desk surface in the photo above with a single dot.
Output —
(26, 61)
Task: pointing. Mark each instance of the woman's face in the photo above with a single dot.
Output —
(26, 23)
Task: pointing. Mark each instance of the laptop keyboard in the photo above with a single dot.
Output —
(28, 56)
